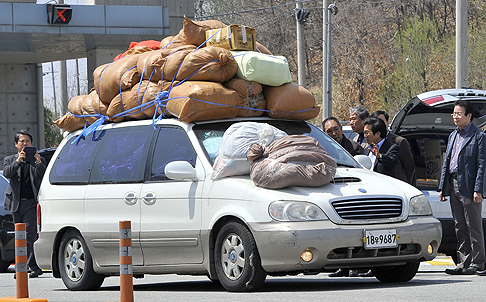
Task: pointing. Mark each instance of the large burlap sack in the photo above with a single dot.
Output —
(173, 62)
(70, 123)
(88, 107)
(236, 142)
(129, 101)
(290, 101)
(250, 94)
(194, 32)
(118, 76)
(262, 68)
(149, 65)
(199, 101)
(97, 74)
(214, 64)
(293, 160)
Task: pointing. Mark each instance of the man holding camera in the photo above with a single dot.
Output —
(25, 171)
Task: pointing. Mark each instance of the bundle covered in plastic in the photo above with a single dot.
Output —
(293, 160)
(262, 68)
(236, 142)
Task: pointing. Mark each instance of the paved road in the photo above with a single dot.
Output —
(430, 284)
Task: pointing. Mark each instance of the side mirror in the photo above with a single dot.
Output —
(180, 170)
(364, 160)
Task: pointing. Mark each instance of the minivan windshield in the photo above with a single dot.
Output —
(210, 136)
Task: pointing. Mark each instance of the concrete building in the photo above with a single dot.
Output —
(98, 31)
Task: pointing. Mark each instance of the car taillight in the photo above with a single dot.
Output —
(38, 217)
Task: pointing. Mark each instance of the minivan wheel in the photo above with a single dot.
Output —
(237, 262)
(76, 265)
(400, 273)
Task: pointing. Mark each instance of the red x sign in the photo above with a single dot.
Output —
(60, 14)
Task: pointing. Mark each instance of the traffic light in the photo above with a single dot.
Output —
(59, 13)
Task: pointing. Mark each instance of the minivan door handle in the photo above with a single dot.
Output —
(130, 198)
(149, 198)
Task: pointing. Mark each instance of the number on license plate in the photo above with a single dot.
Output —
(380, 239)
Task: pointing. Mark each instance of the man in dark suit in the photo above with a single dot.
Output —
(405, 167)
(462, 179)
(21, 195)
(356, 117)
(383, 153)
(333, 128)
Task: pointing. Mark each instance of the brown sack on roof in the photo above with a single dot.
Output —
(119, 75)
(141, 93)
(97, 73)
(293, 160)
(290, 101)
(69, 123)
(93, 106)
(194, 32)
(214, 64)
(190, 101)
(172, 63)
(250, 94)
(149, 65)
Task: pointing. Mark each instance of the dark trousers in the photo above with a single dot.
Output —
(27, 213)
(468, 224)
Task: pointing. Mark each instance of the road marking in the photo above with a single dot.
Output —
(441, 261)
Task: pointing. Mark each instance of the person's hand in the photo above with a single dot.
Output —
(37, 157)
(374, 149)
(441, 197)
(21, 156)
(478, 197)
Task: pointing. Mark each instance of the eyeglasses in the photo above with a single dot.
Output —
(458, 114)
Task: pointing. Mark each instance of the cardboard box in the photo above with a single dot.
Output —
(232, 37)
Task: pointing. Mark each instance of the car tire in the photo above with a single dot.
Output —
(237, 261)
(76, 264)
(392, 274)
(4, 265)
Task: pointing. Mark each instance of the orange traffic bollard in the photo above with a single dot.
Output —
(21, 266)
(126, 272)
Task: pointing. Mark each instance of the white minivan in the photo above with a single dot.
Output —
(184, 222)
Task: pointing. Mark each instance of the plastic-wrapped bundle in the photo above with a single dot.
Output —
(236, 142)
(294, 160)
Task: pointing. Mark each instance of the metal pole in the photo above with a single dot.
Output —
(40, 107)
(300, 44)
(461, 45)
(63, 81)
(328, 64)
(325, 25)
(78, 90)
(54, 90)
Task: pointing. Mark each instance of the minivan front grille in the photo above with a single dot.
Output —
(368, 209)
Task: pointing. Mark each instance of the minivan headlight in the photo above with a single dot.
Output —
(420, 206)
(282, 210)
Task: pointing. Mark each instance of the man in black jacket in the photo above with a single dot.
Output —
(383, 153)
(333, 128)
(21, 195)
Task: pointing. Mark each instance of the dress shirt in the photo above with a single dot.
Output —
(372, 156)
(456, 148)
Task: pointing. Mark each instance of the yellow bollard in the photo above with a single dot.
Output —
(21, 266)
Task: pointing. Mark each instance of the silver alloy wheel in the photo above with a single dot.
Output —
(233, 256)
(74, 259)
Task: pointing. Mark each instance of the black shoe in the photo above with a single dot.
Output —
(36, 273)
(470, 270)
(367, 274)
(340, 273)
(481, 272)
(454, 271)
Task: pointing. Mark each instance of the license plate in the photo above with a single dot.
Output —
(380, 239)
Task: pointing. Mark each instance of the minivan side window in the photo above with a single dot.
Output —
(122, 156)
(172, 145)
(73, 163)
